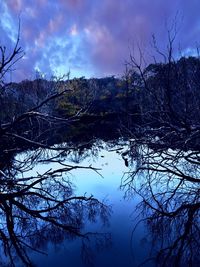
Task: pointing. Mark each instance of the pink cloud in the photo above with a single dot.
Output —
(56, 23)
(74, 4)
(104, 29)
(15, 6)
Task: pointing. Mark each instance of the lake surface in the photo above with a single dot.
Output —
(114, 203)
(125, 246)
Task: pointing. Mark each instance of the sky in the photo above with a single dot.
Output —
(94, 38)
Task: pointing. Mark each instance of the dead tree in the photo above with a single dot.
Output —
(8, 60)
(164, 157)
(43, 207)
(169, 101)
(168, 183)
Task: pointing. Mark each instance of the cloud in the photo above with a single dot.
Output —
(92, 37)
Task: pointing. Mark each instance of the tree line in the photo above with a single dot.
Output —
(160, 95)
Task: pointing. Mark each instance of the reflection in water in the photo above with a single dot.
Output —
(40, 205)
(168, 183)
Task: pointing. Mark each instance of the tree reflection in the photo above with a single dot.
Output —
(40, 207)
(168, 184)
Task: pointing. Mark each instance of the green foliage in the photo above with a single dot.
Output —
(161, 91)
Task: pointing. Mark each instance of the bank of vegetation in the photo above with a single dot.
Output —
(162, 99)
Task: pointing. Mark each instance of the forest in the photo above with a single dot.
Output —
(163, 99)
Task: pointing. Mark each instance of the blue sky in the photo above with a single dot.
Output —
(93, 38)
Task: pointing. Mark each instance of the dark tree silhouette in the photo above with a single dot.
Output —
(168, 182)
(164, 157)
(168, 94)
(41, 207)
(9, 59)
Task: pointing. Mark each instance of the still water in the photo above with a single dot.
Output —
(125, 245)
(102, 204)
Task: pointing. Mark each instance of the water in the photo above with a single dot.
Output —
(85, 217)
(125, 247)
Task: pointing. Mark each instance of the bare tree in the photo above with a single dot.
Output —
(164, 157)
(168, 183)
(169, 92)
(8, 60)
(35, 209)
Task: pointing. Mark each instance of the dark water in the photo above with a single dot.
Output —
(100, 212)
(123, 246)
